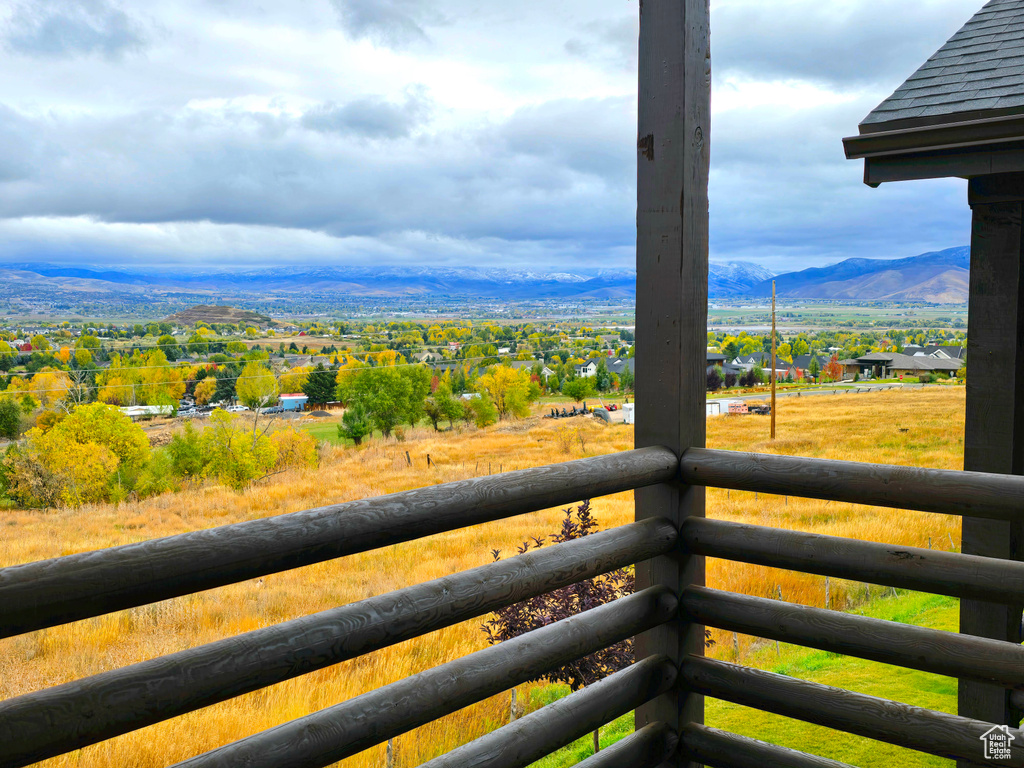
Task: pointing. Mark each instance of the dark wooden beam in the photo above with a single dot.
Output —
(924, 570)
(893, 722)
(969, 162)
(721, 749)
(649, 747)
(46, 723)
(672, 287)
(994, 435)
(948, 492)
(904, 645)
(332, 734)
(51, 592)
(523, 742)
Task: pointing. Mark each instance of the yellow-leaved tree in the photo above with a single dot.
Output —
(93, 454)
(510, 390)
(256, 387)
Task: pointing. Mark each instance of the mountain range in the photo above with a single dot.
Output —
(725, 279)
(938, 277)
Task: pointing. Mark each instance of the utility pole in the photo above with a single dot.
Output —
(773, 360)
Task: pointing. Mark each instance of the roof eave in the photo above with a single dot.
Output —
(967, 133)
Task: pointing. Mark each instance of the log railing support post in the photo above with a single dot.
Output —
(994, 435)
(671, 315)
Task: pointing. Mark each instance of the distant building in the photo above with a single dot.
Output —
(294, 402)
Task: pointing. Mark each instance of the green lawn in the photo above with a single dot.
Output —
(917, 688)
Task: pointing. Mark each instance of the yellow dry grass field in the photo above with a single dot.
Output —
(922, 428)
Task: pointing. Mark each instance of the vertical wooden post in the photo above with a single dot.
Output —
(671, 314)
(994, 437)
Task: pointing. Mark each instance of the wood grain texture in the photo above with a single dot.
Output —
(979, 494)
(673, 143)
(924, 570)
(340, 731)
(936, 733)
(549, 728)
(648, 747)
(930, 650)
(65, 589)
(57, 720)
(994, 429)
(721, 749)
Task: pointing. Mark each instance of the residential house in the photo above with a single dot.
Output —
(940, 352)
(884, 365)
(801, 367)
(620, 364)
(587, 369)
(529, 365)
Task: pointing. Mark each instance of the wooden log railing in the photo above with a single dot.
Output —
(46, 723)
(50, 722)
(65, 589)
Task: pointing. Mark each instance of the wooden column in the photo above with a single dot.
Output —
(671, 314)
(994, 439)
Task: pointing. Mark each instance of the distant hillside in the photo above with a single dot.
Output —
(208, 314)
(391, 281)
(940, 277)
(734, 278)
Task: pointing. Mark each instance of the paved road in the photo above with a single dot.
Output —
(857, 389)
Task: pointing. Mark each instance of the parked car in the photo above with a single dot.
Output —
(236, 408)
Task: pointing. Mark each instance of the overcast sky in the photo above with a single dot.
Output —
(235, 132)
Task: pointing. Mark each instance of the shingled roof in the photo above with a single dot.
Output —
(960, 114)
(979, 70)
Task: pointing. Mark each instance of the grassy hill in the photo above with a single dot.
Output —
(203, 313)
(841, 426)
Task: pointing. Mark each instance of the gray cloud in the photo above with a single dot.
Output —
(523, 148)
(391, 22)
(373, 117)
(608, 42)
(66, 28)
(830, 42)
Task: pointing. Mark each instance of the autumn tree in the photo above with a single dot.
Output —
(233, 454)
(536, 612)
(833, 370)
(93, 454)
(256, 387)
(205, 390)
(508, 389)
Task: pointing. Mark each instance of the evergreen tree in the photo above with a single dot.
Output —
(319, 386)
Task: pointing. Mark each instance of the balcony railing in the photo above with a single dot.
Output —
(50, 722)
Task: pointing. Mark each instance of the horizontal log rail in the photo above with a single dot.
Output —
(342, 730)
(721, 749)
(949, 492)
(925, 730)
(924, 570)
(57, 720)
(649, 747)
(929, 650)
(540, 733)
(65, 589)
